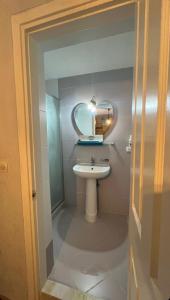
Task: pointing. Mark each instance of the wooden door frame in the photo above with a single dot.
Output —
(23, 26)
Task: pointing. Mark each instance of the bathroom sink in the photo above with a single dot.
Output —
(90, 171)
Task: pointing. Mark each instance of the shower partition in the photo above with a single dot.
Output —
(54, 151)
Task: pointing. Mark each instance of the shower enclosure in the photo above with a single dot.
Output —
(54, 151)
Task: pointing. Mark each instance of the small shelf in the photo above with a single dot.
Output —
(95, 144)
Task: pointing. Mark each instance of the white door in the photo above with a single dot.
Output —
(149, 263)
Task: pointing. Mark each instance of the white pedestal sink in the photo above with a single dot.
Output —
(91, 173)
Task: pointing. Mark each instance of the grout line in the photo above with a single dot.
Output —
(88, 290)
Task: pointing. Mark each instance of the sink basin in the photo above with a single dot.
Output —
(89, 171)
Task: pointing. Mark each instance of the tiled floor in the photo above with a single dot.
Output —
(91, 257)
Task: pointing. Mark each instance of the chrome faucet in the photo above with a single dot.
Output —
(92, 161)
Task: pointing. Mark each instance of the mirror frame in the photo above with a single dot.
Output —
(108, 132)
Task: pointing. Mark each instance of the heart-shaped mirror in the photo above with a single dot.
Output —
(94, 119)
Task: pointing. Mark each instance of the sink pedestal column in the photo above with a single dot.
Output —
(91, 200)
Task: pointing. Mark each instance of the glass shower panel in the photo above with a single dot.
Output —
(54, 151)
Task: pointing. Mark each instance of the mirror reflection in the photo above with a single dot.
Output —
(94, 119)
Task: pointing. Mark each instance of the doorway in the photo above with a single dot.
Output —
(36, 60)
(89, 59)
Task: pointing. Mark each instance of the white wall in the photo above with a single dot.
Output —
(12, 247)
(51, 87)
(15, 6)
(13, 283)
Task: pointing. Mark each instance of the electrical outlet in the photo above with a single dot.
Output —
(3, 166)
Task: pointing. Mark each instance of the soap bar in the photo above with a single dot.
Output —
(91, 138)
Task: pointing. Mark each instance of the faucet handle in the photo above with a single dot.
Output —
(92, 159)
(105, 159)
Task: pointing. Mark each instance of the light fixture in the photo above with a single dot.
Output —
(108, 120)
(92, 105)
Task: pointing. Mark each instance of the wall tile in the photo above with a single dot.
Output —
(69, 148)
(80, 185)
(43, 128)
(46, 196)
(69, 183)
(115, 86)
(67, 129)
(80, 201)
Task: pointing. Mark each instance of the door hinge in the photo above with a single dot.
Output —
(34, 194)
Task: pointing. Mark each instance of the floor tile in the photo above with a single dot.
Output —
(91, 257)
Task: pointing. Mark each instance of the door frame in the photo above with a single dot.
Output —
(23, 26)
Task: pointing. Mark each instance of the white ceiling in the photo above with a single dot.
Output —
(93, 27)
(113, 52)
